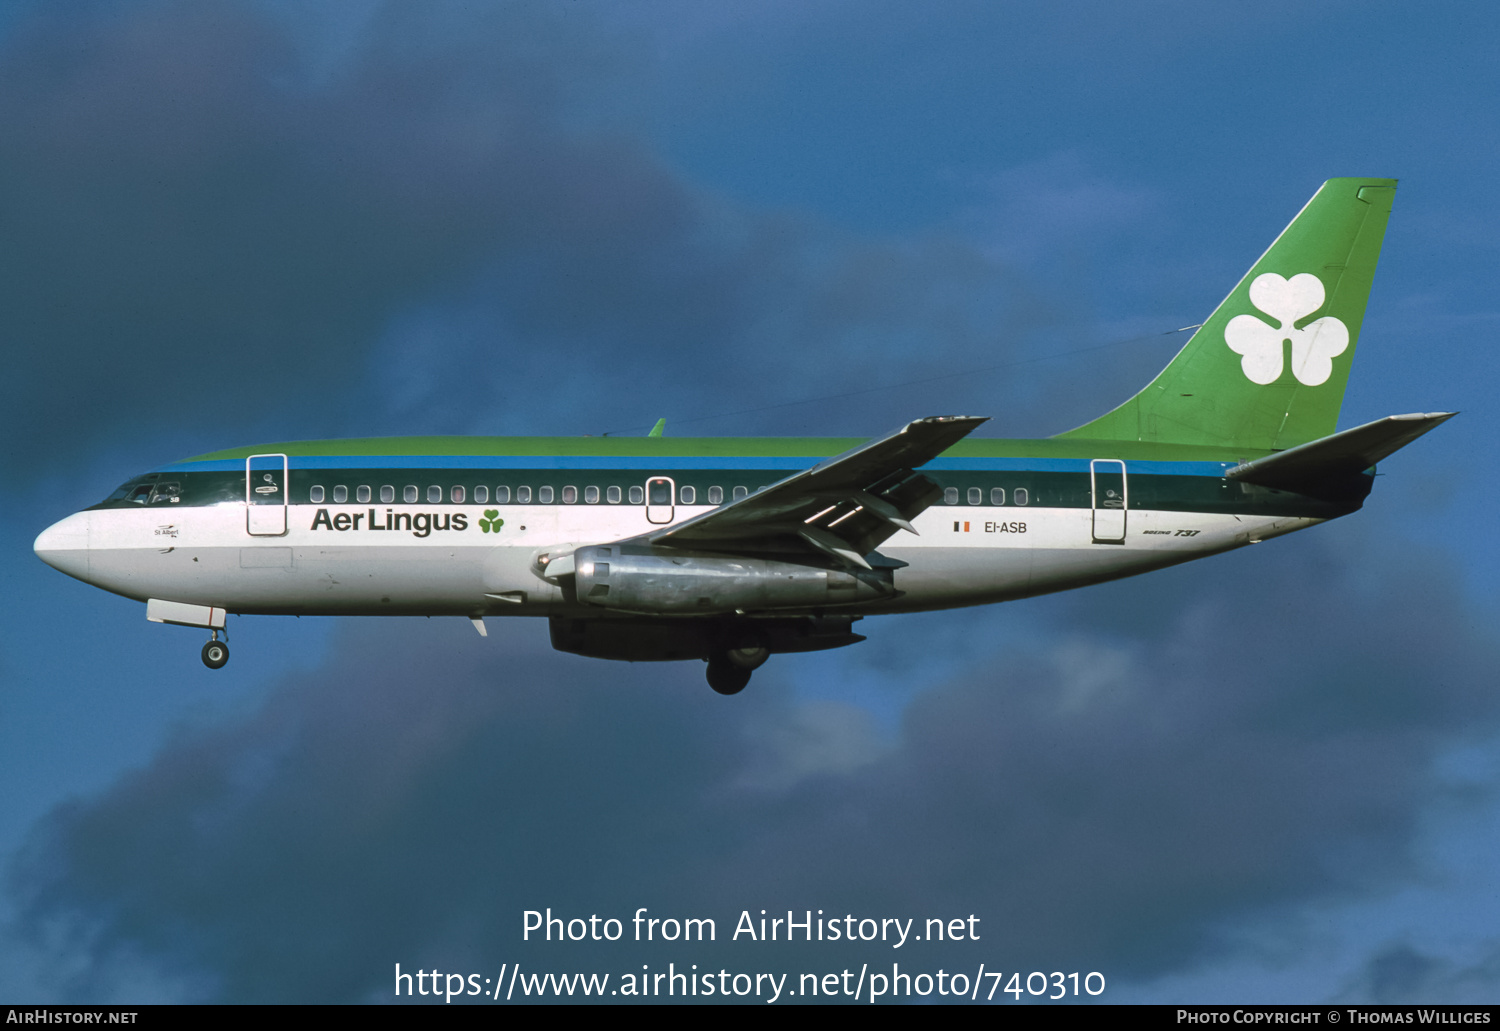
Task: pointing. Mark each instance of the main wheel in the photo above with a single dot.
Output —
(724, 676)
(749, 656)
(215, 654)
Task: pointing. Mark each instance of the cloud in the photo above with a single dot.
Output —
(417, 221)
(196, 227)
(1032, 212)
(1174, 753)
(1399, 972)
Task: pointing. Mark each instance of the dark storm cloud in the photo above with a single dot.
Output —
(193, 227)
(216, 217)
(1104, 798)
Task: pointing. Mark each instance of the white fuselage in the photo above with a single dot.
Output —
(204, 555)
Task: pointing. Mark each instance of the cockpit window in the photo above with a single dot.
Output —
(166, 492)
(139, 493)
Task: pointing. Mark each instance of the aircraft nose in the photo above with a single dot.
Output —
(65, 545)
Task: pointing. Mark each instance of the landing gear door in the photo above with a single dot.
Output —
(1110, 500)
(265, 495)
(660, 495)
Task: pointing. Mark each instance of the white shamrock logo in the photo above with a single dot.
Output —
(1314, 346)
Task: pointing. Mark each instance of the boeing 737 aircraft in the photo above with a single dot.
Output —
(732, 550)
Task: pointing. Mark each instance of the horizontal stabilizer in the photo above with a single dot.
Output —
(1339, 456)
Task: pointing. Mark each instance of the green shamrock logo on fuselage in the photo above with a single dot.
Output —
(491, 522)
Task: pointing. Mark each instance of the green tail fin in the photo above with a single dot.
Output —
(1269, 367)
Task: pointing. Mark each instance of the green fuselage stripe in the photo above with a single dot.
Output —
(498, 449)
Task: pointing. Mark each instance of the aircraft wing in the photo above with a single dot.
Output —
(843, 507)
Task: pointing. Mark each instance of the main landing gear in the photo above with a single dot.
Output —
(216, 652)
(729, 670)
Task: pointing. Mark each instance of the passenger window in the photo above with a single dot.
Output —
(716, 495)
(1021, 496)
(340, 494)
(997, 495)
(481, 495)
(410, 494)
(315, 494)
(434, 494)
(950, 495)
(741, 492)
(457, 494)
(502, 495)
(976, 496)
(688, 494)
(523, 495)
(362, 493)
(612, 495)
(637, 495)
(570, 495)
(544, 495)
(387, 494)
(591, 495)
(660, 491)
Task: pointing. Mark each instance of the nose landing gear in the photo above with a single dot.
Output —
(216, 652)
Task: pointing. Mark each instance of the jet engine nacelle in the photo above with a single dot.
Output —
(645, 580)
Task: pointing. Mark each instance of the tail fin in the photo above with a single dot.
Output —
(1263, 372)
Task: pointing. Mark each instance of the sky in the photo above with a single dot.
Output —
(1271, 776)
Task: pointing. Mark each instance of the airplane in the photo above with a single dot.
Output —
(730, 550)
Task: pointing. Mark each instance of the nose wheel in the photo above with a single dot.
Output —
(215, 652)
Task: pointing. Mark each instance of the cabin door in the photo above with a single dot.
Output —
(660, 495)
(265, 495)
(1111, 502)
